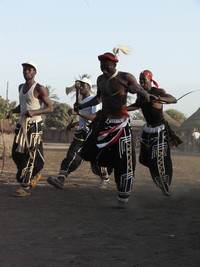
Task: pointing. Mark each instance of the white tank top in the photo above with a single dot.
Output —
(29, 102)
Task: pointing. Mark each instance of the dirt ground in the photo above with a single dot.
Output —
(80, 226)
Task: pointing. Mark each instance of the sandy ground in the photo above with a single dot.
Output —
(80, 226)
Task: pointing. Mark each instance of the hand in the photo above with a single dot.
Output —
(77, 107)
(30, 113)
(72, 112)
(77, 85)
(154, 97)
(69, 111)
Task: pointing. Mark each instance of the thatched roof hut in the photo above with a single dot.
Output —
(175, 125)
(192, 122)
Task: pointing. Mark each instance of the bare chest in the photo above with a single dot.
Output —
(111, 87)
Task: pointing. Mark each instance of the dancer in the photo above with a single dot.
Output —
(109, 143)
(156, 135)
(27, 149)
(73, 158)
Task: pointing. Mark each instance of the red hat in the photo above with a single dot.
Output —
(149, 74)
(108, 56)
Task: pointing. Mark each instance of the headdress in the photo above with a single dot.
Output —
(114, 57)
(149, 74)
(108, 56)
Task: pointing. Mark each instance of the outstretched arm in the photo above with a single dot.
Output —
(132, 107)
(89, 117)
(93, 102)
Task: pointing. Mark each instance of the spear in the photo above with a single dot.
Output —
(187, 94)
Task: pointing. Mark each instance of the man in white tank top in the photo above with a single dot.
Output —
(27, 150)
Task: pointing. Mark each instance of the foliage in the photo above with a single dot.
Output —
(5, 106)
(176, 115)
(84, 76)
(51, 95)
(59, 118)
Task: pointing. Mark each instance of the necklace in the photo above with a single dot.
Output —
(110, 78)
(114, 75)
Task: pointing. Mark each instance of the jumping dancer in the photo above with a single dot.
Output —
(155, 140)
(109, 143)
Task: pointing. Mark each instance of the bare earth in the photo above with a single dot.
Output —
(80, 226)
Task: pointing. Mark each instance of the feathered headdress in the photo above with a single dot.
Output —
(123, 48)
(114, 57)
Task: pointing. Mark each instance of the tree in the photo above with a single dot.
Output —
(51, 95)
(176, 115)
(5, 106)
(59, 118)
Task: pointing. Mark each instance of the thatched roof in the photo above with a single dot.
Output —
(192, 122)
(173, 123)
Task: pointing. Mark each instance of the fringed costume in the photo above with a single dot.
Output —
(27, 150)
(109, 144)
(155, 154)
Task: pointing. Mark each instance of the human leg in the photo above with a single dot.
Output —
(31, 161)
(116, 150)
(160, 162)
(69, 164)
(102, 172)
(20, 161)
(144, 149)
(125, 167)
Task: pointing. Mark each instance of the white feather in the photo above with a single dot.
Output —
(123, 48)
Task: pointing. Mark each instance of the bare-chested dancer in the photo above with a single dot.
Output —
(109, 143)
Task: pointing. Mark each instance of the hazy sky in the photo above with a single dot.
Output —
(65, 37)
